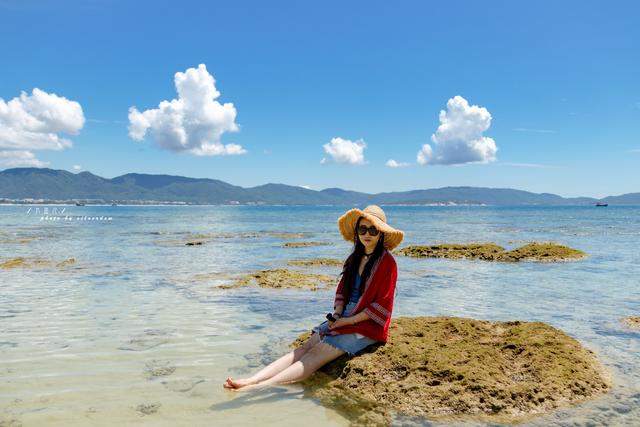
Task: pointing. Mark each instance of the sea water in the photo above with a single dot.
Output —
(137, 332)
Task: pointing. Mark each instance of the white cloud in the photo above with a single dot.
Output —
(17, 158)
(308, 187)
(77, 167)
(36, 122)
(193, 123)
(393, 164)
(345, 151)
(459, 138)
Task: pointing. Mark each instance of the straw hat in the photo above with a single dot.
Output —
(375, 214)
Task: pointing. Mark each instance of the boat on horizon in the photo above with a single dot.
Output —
(602, 204)
(79, 204)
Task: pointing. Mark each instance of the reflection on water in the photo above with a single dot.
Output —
(135, 330)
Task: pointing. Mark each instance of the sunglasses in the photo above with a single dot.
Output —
(362, 230)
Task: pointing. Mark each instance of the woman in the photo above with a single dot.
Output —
(367, 286)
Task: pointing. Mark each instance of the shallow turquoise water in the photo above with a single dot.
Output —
(77, 343)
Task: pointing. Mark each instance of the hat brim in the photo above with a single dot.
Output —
(347, 223)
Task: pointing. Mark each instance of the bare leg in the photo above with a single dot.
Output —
(274, 367)
(311, 361)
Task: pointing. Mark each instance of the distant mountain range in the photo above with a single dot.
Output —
(61, 185)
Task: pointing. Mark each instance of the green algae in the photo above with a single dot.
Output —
(535, 251)
(459, 368)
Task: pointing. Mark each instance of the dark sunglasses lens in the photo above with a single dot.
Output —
(362, 230)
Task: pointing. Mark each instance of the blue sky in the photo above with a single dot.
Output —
(561, 81)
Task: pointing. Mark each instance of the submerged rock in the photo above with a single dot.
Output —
(316, 262)
(148, 408)
(536, 251)
(158, 368)
(21, 262)
(66, 262)
(196, 239)
(448, 367)
(288, 235)
(632, 321)
(304, 244)
(183, 385)
(283, 278)
(146, 340)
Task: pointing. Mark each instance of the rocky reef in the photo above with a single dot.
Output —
(303, 244)
(312, 262)
(452, 368)
(282, 278)
(536, 251)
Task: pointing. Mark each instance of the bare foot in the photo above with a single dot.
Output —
(243, 382)
(254, 386)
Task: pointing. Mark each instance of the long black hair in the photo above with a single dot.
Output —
(350, 267)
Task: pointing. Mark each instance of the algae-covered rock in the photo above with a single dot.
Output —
(485, 251)
(632, 321)
(545, 251)
(458, 368)
(536, 251)
(282, 278)
(316, 262)
(304, 244)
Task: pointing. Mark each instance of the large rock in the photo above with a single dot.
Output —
(536, 251)
(443, 367)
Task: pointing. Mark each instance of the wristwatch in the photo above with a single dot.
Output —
(337, 315)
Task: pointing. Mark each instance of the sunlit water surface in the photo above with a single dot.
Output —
(77, 343)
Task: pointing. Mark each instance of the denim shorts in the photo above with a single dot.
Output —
(349, 343)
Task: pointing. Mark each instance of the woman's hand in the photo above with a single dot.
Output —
(343, 321)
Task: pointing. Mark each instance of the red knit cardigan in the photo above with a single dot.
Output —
(376, 300)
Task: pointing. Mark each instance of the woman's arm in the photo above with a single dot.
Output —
(352, 320)
(338, 309)
(338, 302)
